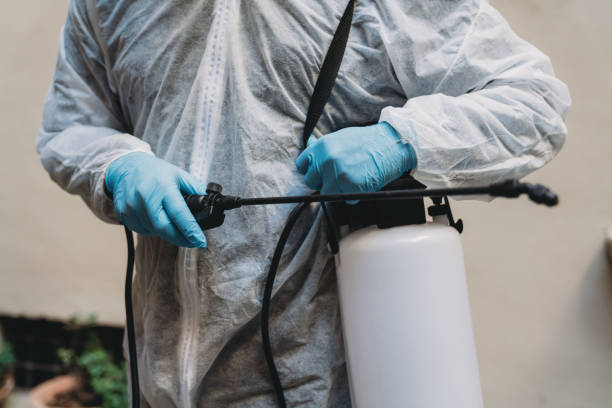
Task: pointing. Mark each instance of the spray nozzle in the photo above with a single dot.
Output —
(536, 192)
(542, 195)
(209, 209)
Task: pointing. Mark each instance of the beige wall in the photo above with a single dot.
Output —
(541, 291)
(56, 259)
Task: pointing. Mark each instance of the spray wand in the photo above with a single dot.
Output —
(209, 209)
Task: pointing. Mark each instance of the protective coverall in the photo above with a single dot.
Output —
(221, 88)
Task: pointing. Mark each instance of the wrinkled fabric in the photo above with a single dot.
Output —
(221, 88)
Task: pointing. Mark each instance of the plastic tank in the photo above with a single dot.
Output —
(406, 318)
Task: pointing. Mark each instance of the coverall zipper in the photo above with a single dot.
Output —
(211, 80)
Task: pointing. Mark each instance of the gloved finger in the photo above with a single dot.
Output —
(188, 184)
(167, 230)
(349, 188)
(313, 178)
(303, 161)
(329, 185)
(305, 158)
(311, 141)
(134, 224)
(125, 215)
(144, 206)
(181, 217)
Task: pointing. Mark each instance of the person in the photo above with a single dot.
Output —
(151, 100)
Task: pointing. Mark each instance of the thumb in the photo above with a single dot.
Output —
(188, 184)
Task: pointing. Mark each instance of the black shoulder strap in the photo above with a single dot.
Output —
(329, 71)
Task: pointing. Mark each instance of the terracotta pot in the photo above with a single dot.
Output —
(44, 393)
(6, 386)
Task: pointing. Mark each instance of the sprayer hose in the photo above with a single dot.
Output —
(129, 317)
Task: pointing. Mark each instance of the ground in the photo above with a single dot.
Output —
(18, 399)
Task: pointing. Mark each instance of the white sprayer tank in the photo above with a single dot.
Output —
(406, 318)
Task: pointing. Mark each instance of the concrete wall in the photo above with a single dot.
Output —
(541, 290)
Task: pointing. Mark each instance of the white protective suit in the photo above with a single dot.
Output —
(221, 89)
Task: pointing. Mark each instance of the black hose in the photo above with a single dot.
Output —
(265, 310)
(267, 296)
(129, 317)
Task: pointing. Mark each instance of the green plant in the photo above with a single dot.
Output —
(7, 358)
(107, 379)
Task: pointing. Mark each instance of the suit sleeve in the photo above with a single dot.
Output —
(83, 129)
(496, 110)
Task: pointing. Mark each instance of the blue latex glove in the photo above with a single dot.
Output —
(147, 194)
(355, 159)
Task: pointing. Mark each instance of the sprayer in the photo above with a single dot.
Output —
(403, 295)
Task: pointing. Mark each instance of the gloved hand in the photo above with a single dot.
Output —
(355, 159)
(147, 196)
